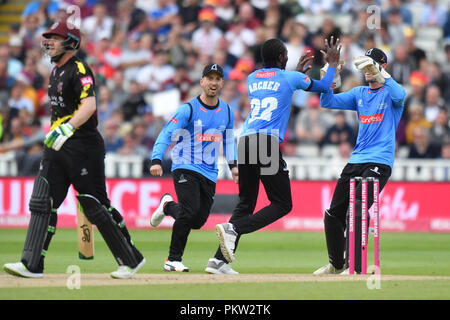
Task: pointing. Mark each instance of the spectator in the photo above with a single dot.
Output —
(440, 128)
(416, 119)
(402, 8)
(340, 131)
(152, 77)
(418, 81)
(133, 58)
(110, 134)
(116, 88)
(141, 132)
(6, 81)
(134, 104)
(100, 23)
(131, 146)
(207, 36)
(295, 44)
(440, 79)
(189, 15)
(433, 14)
(46, 10)
(402, 65)
(445, 153)
(239, 38)
(225, 12)
(413, 51)
(105, 105)
(446, 65)
(18, 102)
(137, 15)
(16, 48)
(30, 150)
(159, 19)
(421, 147)
(13, 135)
(14, 66)
(433, 102)
(180, 81)
(85, 7)
(312, 122)
(247, 16)
(396, 28)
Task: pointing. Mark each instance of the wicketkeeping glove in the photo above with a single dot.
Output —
(337, 78)
(56, 138)
(368, 65)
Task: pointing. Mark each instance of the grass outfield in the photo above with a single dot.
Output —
(269, 253)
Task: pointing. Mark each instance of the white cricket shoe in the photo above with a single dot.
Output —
(158, 215)
(328, 269)
(345, 272)
(175, 266)
(227, 237)
(18, 269)
(216, 266)
(126, 272)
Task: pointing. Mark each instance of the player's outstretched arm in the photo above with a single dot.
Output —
(343, 101)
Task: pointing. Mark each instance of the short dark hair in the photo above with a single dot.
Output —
(271, 51)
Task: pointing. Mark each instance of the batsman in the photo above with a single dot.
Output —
(74, 154)
(379, 107)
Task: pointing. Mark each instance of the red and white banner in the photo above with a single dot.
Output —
(404, 206)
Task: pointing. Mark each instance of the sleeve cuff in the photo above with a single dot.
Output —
(232, 164)
(156, 161)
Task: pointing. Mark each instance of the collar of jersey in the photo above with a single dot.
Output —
(206, 106)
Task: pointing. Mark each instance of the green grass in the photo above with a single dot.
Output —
(260, 252)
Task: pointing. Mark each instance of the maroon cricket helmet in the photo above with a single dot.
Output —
(68, 31)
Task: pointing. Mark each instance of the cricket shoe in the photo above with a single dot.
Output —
(158, 215)
(227, 237)
(126, 272)
(345, 272)
(216, 266)
(328, 269)
(175, 266)
(18, 269)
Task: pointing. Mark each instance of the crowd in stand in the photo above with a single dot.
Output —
(136, 51)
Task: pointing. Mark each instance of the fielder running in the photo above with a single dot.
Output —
(74, 154)
(379, 107)
(259, 157)
(201, 124)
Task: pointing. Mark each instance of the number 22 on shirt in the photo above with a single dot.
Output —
(262, 109)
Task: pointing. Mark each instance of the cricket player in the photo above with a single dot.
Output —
(74, 154)
(379, 107)
(270, 91)
(199, 126)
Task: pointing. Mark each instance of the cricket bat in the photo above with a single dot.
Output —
(85, 235)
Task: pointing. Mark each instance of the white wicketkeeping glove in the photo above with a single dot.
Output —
(368, 65)
(337, 78)
(56, 138)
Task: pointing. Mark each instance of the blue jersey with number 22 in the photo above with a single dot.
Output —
(270, 94)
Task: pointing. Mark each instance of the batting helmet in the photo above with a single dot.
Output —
(68, 31)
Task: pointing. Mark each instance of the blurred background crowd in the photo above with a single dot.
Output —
(140, 49)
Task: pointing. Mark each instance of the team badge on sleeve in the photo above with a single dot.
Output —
(86, 80)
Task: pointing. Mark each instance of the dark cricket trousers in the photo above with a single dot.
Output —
(254, 167)
(195, 195)
(336, 217)
(79, 162)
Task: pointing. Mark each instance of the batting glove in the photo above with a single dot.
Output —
(56, 138)
(368, 65)
(337, 78)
